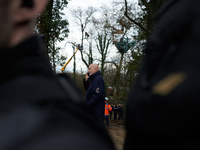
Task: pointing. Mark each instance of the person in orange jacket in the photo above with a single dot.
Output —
(108, 109)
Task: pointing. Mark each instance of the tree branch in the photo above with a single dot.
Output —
(135, 22)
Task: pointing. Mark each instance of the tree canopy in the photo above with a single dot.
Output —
(54, 28)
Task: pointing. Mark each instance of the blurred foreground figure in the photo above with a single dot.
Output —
(39, 110)
(163, 109)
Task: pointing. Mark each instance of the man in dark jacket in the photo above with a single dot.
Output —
(120, 112)
(95, 90)
(39, 110)
(163, 107)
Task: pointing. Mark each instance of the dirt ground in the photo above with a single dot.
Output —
(117, 133)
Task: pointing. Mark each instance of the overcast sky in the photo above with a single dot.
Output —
(75, 31)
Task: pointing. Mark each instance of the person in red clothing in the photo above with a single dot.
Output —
(108, 109)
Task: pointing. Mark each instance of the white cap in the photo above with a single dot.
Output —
(106, 98)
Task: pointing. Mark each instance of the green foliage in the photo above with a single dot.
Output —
(133, 68)
(141, 18)
(54, 27)
(149, 12)
(143, 22)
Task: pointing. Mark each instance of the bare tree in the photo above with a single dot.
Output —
(83, 19)
(103, 42)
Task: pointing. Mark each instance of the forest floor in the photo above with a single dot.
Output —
(117, 133)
